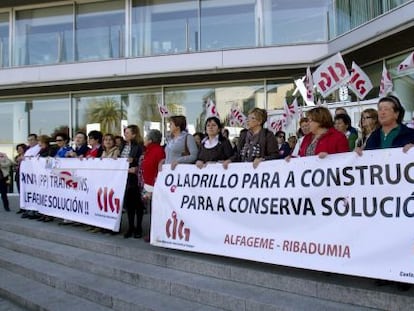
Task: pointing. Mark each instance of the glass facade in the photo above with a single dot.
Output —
(90, 31)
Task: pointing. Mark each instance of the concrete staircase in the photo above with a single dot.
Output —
(45, 266)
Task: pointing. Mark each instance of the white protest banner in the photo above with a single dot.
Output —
(346, 213)
(90, 191)
(359, 83)
(331, 75)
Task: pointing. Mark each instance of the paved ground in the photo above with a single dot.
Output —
(6, 305)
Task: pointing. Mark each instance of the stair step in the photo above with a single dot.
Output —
(223, 294)
(223, 282)
(33, 295)
(96, 289)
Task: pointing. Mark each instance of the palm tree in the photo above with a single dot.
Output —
(108, 112)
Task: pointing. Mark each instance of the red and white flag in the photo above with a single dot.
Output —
(290, 110)
(331, 75)
(163, 110)
(408, 63)
(237, 117)
(275, 124)
(309, 85)
(211, 109)
(386, 84)
(359, 83)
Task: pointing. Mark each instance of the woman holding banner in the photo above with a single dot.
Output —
(256, 144)
(392, 133)
(215, 147)
(181, 146)
(323, 138)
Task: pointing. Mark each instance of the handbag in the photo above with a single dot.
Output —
(186, 152)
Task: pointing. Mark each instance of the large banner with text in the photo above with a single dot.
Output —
(346, 213)
(89, 191)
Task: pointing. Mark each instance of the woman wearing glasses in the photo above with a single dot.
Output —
(368, 124)
(62, 142)
(256, 143)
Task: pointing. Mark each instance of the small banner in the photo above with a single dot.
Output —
(386, 84)
(406, 64)
(346, 213)
(89, 191)
(331, 75)
(359, 83)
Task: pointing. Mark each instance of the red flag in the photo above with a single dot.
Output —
(386, 84)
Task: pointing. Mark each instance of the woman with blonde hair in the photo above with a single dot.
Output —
(110, 149)
(257, 144)
(368, 124)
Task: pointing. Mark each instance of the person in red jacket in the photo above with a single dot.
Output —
(154, 154)
(323, 138)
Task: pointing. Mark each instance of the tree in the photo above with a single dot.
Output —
(107, 111)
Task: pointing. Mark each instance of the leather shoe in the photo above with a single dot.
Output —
(137, 235)
(127, 235)
(19, 211)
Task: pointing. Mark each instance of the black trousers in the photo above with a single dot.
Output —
(3, 190)
(135, 209)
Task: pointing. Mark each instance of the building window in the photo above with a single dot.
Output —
(110, 113)
(164, 27)
(227, 24)
(43, 36)
(48, 116)
(191, 102)
(350, 14)
(100, 30)
(299, 21)
(4, 39)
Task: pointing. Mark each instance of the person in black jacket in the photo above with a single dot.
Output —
(133, 150)
(256, 143)
(214, 147)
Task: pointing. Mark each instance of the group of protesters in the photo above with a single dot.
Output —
(319, 134)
